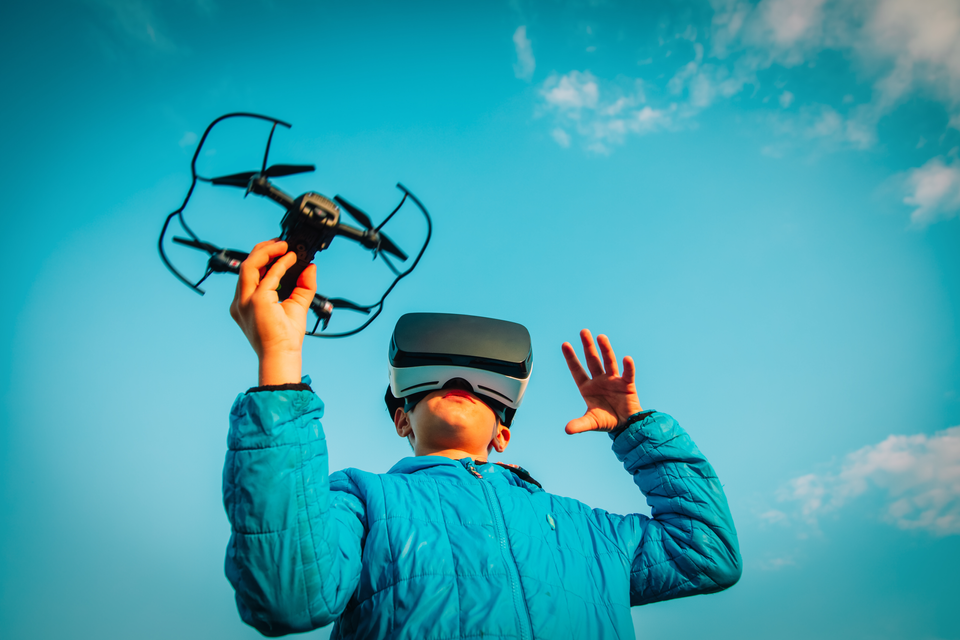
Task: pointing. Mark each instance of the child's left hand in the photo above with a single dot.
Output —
(611, 398)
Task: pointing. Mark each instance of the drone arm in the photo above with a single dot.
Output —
(371, 239)
(262, 187)
(356, 235)
(196, 244)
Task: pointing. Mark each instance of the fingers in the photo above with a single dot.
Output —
(607, 366)
(250, 269)
(306, 287)
(609, 357)
(264, 252)
(597, 367)
(573, 363)
(590, 353)
(271, 280)
(629, 370)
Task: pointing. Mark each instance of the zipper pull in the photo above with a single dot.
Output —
(473, 470)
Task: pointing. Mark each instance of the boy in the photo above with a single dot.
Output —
(445, 545)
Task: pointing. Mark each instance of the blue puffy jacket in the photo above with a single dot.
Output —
(440, 548)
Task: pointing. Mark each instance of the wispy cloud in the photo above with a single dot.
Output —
(934, 191)
(188, 139)
(526, 63)
(138, 21)
(902, 48)
(561, 136)
(895, 50)
(704, 83)
(777, 563)
(917, 477)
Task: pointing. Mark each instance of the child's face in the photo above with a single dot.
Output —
(454, 420)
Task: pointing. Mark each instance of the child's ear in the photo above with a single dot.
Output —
(402, 422)
(502, 439)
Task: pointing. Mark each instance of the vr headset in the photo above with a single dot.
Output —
(430, 351)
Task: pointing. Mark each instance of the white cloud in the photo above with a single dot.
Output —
(704, 83)
(918, 478)
(828, 124)
(897, 50)
(902, 47)
(525, 62)
(922, 37)
(602, 117)
(791, 20)
(188, 139)
(572, 92)
(773, 516)
(934, 191)
(688, 71)
(647, 119)
(823, 122)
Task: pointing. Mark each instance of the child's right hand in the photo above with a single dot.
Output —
(275, 329)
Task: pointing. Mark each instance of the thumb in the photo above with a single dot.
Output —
(584, 423)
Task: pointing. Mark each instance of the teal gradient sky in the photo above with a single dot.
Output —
(758, 202)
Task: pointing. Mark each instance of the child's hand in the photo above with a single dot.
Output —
(610, 397)
(275, 331)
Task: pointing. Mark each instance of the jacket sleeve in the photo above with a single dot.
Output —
(294, 552)
(689, 546)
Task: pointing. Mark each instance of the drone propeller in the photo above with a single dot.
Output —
(274, 171)
(280, 170)
(355, 212)
(386, 244)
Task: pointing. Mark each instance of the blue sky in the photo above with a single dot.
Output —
(758, 201)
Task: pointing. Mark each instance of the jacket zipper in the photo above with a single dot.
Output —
(523, 613)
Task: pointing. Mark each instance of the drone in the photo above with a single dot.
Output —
(310, 223)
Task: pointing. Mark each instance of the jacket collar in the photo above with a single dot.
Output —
(440, 466)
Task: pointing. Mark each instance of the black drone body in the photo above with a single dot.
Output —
(310, 223)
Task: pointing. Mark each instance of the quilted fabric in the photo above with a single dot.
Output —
(442, 549)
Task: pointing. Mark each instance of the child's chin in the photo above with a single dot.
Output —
(451, 430)
(454, 433)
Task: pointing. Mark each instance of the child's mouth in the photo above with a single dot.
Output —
(459, 394)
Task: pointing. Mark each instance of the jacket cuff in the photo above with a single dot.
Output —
(291, 386)
(303, 385)
(635, 418)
